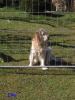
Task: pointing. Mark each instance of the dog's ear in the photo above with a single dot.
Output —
(38, 37)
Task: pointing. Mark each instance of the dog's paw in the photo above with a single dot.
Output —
(44, 68)
(30, 65)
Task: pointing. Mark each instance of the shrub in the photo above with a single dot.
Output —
(35, 5)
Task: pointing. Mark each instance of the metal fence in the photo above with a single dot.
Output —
(15, 43)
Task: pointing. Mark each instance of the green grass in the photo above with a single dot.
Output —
(12, 14)
(31, 84)
(16, 31)
(16, 26)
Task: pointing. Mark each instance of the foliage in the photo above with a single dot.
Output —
(25, 5)
(34, 5)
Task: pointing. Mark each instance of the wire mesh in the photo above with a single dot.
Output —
(19, 19)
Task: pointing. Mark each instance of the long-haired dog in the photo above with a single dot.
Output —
(38, 48)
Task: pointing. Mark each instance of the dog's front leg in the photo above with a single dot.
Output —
(31, 57)
(30, 61)
(42, 61)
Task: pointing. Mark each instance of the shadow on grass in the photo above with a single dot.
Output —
(58, 35)
(59, 61)
(26, 40)
(49, 13)
(55, 61)
(9, 38)
(38, 71)
(8, 58)
(61, 44)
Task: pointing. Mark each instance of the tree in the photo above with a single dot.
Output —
(35, 5)
(25, 5)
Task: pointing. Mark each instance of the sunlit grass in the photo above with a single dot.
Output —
(16, 31)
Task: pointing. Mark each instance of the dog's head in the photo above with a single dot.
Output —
(40, 38)
(42, 35)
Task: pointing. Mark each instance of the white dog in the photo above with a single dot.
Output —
(39, 49)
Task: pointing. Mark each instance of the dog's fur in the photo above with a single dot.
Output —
(38, 48)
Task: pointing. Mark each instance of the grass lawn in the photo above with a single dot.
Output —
(31, 84)
(16, 31)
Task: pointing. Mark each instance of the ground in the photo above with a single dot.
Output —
(16, 31)
(18, 27)
(31, 84)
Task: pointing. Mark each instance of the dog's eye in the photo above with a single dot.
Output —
(44, 33)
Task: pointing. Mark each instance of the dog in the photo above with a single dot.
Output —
(39, 48)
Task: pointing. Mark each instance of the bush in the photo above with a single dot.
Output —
(25, 5)
(35, 6)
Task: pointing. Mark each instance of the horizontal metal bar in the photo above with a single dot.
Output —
(38, 66)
